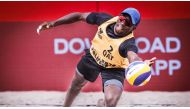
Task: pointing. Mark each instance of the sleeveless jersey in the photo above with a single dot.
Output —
(105, 50)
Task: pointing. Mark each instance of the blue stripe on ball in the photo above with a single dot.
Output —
(133, 64)
(141, 78)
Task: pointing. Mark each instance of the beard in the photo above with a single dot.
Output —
(120, 32)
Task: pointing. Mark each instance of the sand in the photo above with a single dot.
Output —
(128, 99)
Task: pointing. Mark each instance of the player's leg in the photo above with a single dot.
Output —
(87, 70)
(77, 83)
(113, 80)
(112, 93)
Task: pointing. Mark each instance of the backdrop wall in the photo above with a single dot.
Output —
(48, 61)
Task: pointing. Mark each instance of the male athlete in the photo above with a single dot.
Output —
(112, 49)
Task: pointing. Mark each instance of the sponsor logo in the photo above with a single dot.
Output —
(99, 33)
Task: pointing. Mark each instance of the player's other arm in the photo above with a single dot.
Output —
(67, 19)
(132, 56)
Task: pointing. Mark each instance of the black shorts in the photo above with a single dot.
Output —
(88, 67)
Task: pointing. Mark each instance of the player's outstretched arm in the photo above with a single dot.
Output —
(67, 19)
(132, 56)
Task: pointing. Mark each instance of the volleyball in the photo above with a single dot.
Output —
(138, 73)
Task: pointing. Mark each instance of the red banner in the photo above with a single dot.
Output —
(48, 62)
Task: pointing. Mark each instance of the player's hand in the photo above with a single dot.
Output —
(150, 61)
(44, 26)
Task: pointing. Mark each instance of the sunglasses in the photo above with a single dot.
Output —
(126, 20)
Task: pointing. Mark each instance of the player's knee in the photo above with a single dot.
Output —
(77, 85)
(111, 100)
(75, 88)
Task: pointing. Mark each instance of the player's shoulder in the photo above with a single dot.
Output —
(98, 17)
(101, 14)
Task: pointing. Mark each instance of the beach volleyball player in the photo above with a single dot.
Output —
(112, 49)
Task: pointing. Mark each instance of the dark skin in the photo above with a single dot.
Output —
(124, 27)
(112, 92)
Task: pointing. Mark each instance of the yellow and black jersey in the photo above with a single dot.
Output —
(109, 50)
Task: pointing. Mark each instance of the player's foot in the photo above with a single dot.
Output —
(100, 103)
